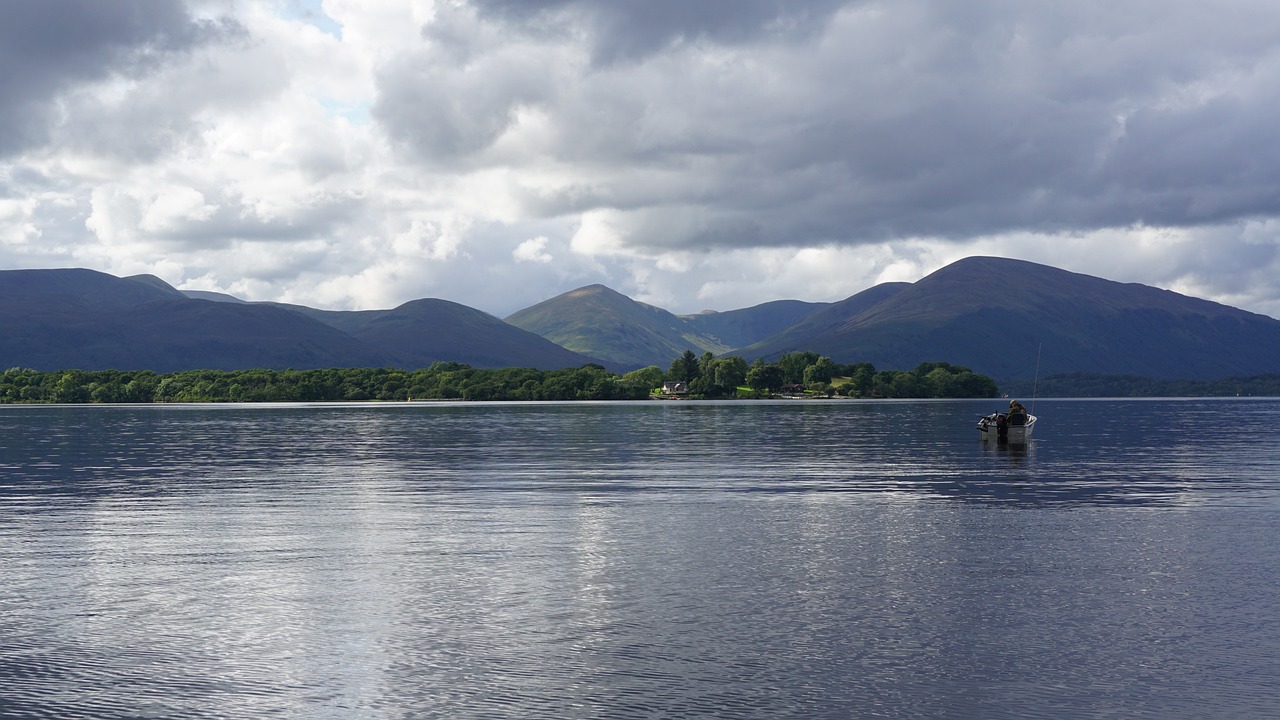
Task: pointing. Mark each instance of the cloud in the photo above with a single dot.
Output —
(903, 120)
(630, 31)
(361, 153)
(533, 250)
(459, 91)
(53, 45)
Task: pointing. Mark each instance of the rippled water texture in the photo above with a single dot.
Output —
(805, 559)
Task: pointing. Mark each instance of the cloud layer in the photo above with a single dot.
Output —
(356, 154)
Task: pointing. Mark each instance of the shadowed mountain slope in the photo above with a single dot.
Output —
(823, 321)
(421, 332)
(738, 328)
(994, 315)
(82, 319)
(78, 288)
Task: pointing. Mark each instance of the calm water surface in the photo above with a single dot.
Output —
(772, 560)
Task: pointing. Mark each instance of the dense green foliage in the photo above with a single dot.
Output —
(707, 376)
(807, 373)
(443, 380)
(1098, 385)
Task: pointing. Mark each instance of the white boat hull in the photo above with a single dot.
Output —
(992, 428)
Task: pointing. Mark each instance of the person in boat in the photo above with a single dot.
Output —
(1017, 414)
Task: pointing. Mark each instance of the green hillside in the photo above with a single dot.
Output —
(602, 323)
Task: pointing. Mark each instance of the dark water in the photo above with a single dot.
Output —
(811, 560)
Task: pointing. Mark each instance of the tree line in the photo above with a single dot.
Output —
(805, 372)
(443, 380)
(706, 377)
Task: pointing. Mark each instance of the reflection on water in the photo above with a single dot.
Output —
(1209, 451)
(638, 560)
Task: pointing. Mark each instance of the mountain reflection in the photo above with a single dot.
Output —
(900, 450)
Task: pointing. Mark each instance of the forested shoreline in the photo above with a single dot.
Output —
(795, 374)
(799, 373)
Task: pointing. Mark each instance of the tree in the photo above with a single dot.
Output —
(646, 378)
(821, 371)
(906, 385)
(793, 365)
(940, 383)
(685, 368)
(764, 376)
(882, 383)
(71, 388)
(720, 377)
(730, 372)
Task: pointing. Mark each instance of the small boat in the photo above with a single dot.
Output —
(1002, 427)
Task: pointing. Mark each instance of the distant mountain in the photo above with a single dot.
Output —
(739, 328)
(198, 334)
(85, 289)
(421, 332)
(996, 316)
(82, 319)
(156, 283)
(993, 315)
(214, 296)
(821, 322)
(600, 322)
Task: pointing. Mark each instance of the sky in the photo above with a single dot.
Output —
(358, 154)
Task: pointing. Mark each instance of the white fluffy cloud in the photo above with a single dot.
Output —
(356, 154)
(533, 250)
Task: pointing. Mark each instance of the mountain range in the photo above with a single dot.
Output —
(601, 322)
(1009, 319)
(56, 319)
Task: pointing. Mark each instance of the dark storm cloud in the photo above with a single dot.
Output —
(49, 46)
(958, 126)
(629, 30)
(920, 119)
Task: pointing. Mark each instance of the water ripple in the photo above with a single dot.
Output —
(676, 560)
